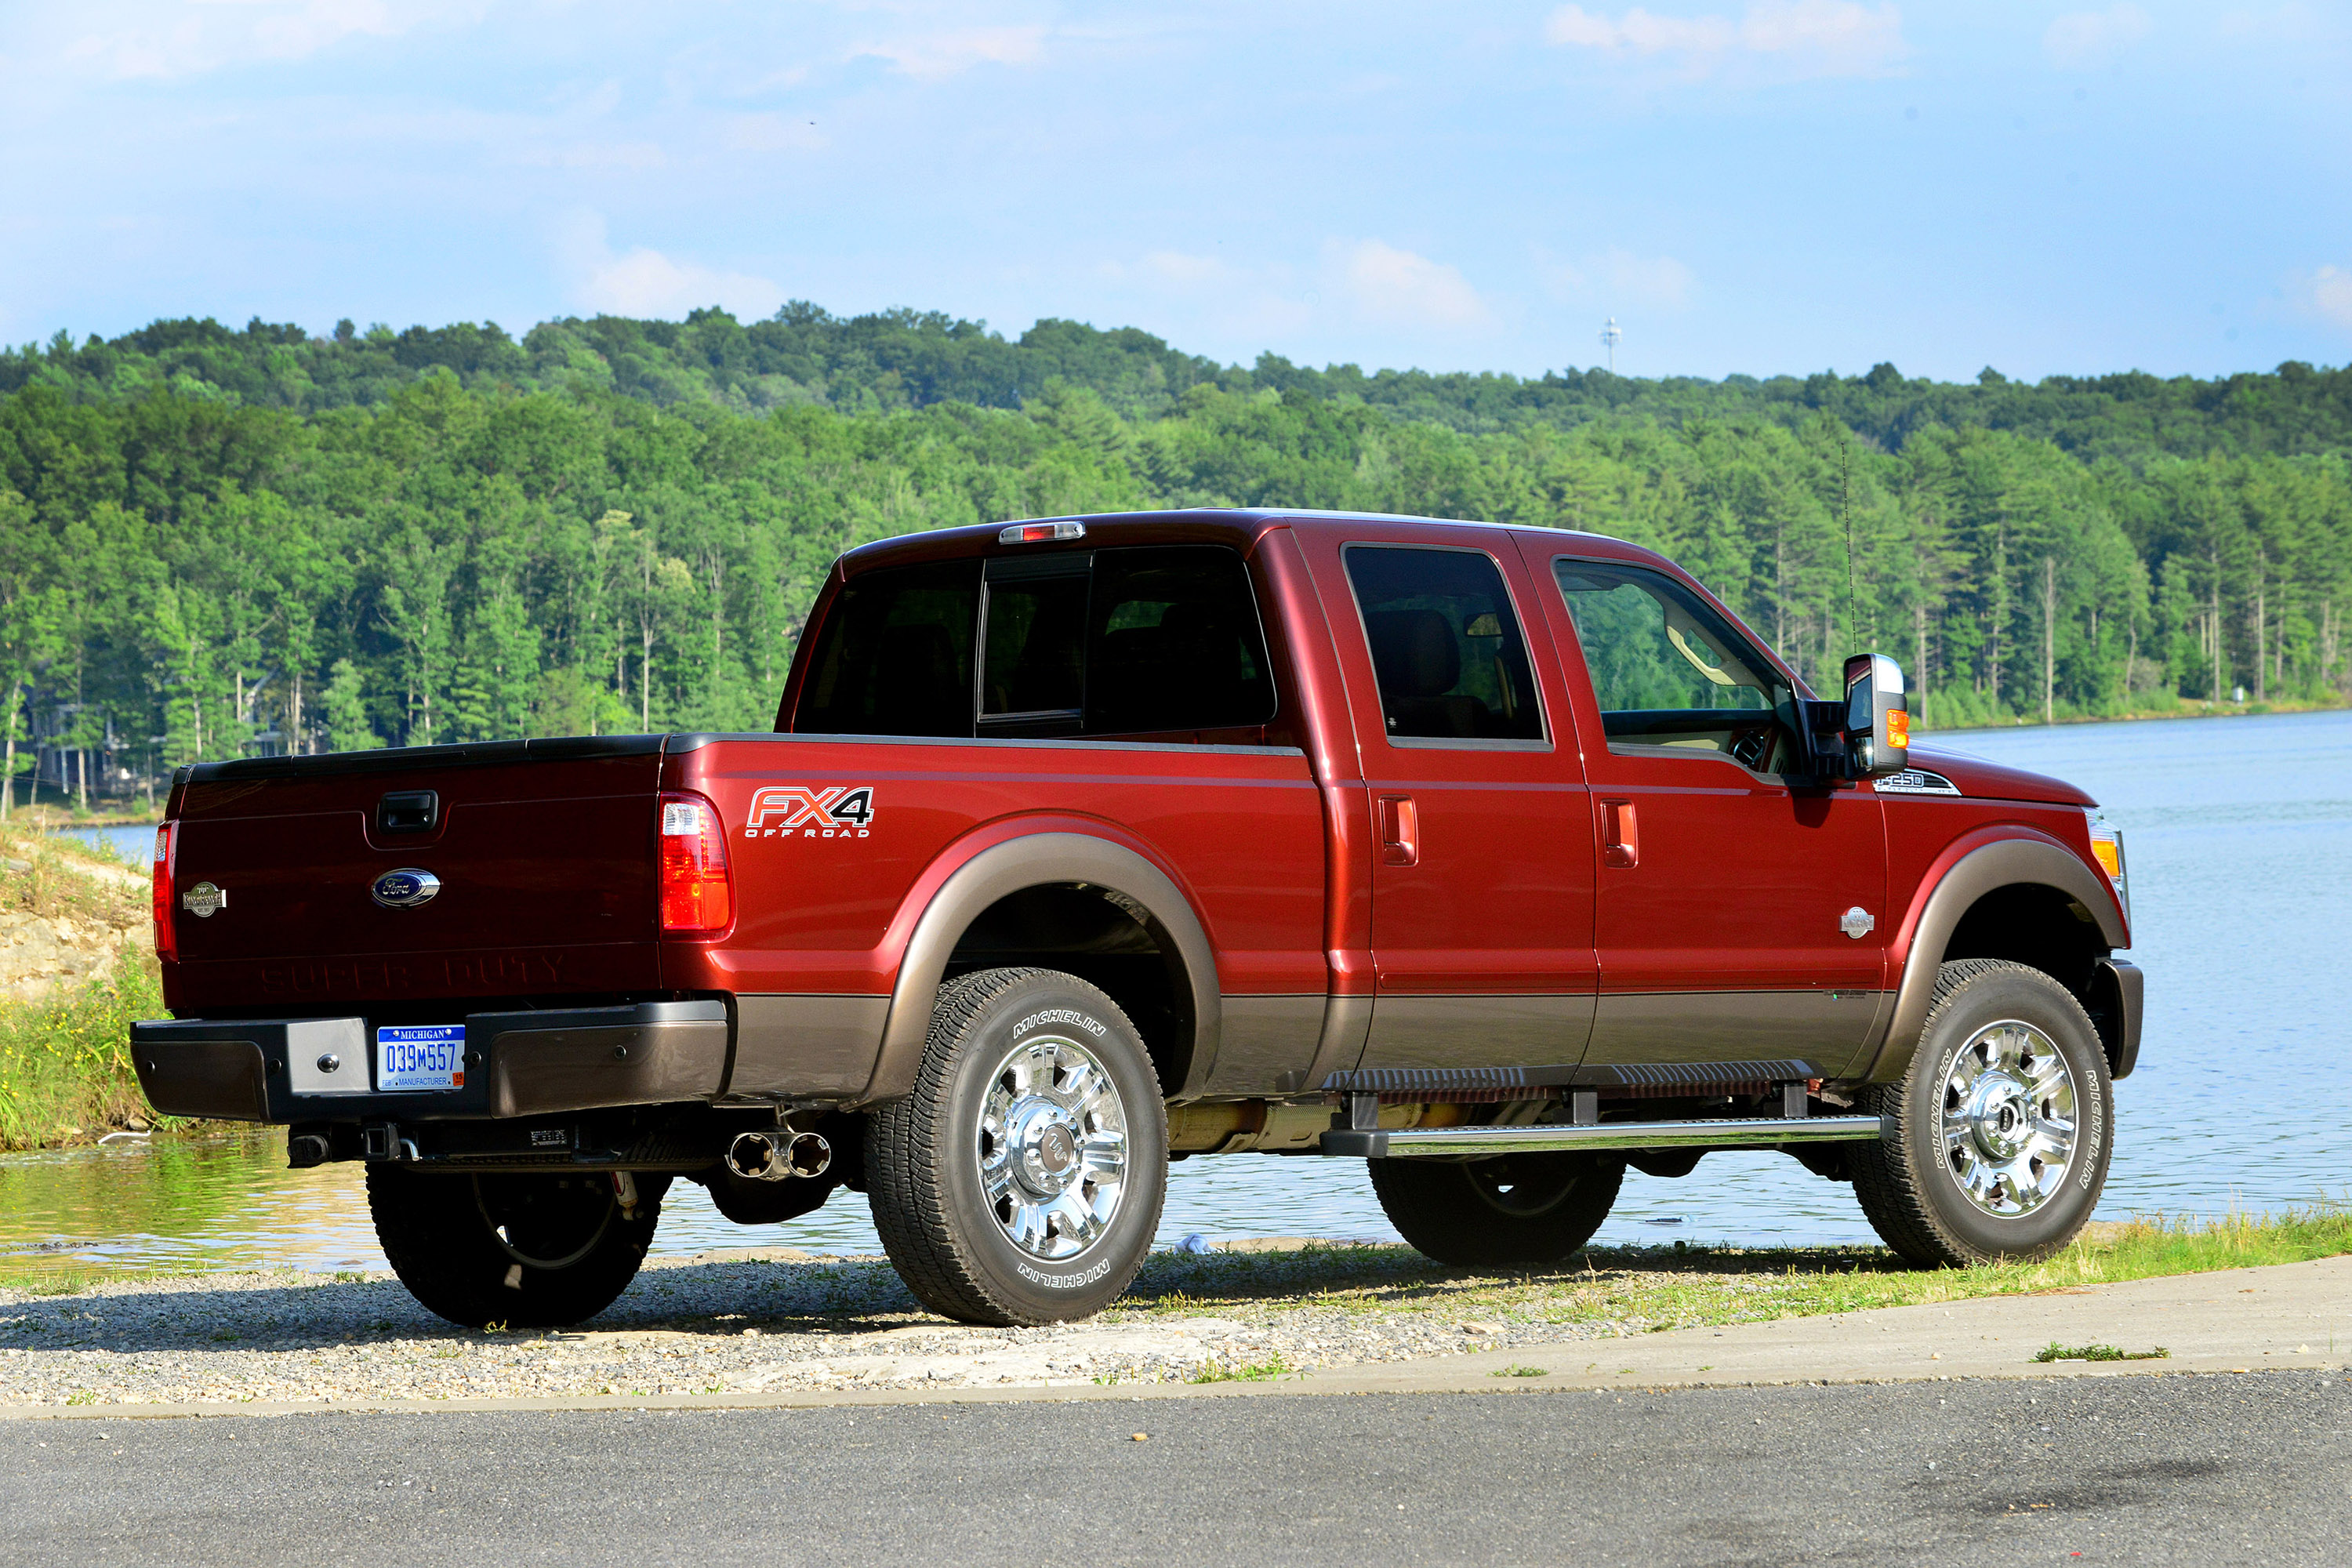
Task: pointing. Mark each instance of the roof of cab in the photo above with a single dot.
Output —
(1240, 526)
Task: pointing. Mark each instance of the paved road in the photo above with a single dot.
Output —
(2156, 1469)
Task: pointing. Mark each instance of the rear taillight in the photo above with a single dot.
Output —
(698, 897)
(167, 941)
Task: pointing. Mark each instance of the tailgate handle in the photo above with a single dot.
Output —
(408, 810)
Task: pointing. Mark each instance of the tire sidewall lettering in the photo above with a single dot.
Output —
(1013, 1020)
(1973, 1008)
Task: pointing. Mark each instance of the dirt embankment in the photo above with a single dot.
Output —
(68, 915)
(76, 967)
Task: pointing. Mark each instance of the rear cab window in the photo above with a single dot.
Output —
(1446, 648)
(1671, 675)
(1160, 641)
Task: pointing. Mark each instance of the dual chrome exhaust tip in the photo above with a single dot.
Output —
(778, 1156)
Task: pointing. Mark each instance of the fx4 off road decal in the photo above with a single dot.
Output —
(799, 811)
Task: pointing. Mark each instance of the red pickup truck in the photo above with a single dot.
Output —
(1502, 859)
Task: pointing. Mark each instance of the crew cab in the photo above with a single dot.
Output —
(1502, 859)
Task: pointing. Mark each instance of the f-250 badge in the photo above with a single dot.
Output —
(797, 811)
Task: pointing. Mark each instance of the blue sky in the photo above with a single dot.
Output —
(1784, 185)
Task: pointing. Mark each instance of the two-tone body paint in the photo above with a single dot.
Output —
(1507, 940)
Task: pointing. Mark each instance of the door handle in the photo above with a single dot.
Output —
(1400, 831)
(1620, 835)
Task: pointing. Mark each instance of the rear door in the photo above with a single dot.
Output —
(1740, 908)
(1481, 899)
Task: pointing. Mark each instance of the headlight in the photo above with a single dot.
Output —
(2107, 846)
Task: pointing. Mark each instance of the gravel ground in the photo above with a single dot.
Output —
(773, 1319)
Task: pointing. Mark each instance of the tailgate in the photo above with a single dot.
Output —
(544, 852)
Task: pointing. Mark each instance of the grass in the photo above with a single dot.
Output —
(1515, 1370)
(1644, 1290)
(65, 1058)
(1248, 1371)
(2053, 1351)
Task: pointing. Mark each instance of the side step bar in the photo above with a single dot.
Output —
(1753, 1134)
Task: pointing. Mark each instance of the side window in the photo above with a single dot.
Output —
(894, 656)
(1446, 644)
(1668, 671)
(1173, 643)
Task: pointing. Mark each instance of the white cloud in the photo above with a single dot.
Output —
(1793, 38)
(1640, 32)
(931, 56)
(774, 134)
(2328, 291)
(2083, 39)
(645, 282)
(593, 155)
(144, 38)
(1351, 285)
(1617, 277)
(2294, 22)
(1178, 268)
(1400, 286)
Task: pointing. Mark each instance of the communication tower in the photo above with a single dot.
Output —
(1610, 338)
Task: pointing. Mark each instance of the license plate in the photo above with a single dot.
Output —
(420, 1055)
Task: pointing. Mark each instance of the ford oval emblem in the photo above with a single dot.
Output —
(404, 889)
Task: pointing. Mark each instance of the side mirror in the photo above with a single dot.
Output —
(1877, 724)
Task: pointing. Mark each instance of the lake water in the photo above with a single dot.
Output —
(135, 844)
(2240, 833)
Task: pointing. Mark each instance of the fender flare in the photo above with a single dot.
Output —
(2013, 857)
(1031, 861)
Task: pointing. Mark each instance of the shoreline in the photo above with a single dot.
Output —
(773, 1326)
(2211, 710)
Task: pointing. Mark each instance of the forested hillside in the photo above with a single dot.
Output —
(215, 541)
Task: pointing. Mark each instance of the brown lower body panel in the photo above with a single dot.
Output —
(806, 1046)
(1826, 1027)
(226, 1080)
(1421, 1031)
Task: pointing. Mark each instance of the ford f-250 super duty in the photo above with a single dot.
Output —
(1502, 859)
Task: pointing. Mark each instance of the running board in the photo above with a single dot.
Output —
(1753, 1134)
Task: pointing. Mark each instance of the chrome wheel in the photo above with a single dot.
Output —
(1052, 1147)
(2008, 1119)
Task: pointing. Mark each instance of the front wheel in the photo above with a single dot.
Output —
(1513, 1211)
(1998, 1133)
(1020, 1181)
(527, 1250)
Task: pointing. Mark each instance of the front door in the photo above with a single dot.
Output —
(1482, 892)
(1740, 910)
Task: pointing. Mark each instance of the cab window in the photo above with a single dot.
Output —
(1446, 644)
(1669, 673)
(1137, 640)
(1173, 643)
(894, 656)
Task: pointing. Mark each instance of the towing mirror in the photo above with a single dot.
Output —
(1878, 722)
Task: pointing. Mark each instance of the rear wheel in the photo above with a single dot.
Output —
(527, 1250)
(1020, 1181)
(1513, 1211)
(1998, 1135)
